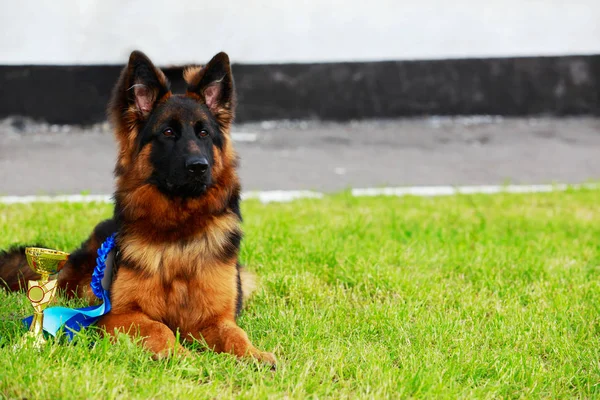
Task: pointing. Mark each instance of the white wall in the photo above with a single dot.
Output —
(257, 31)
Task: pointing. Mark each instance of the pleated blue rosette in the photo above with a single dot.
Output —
(72, 320)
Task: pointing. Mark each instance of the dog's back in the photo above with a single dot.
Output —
(76, 274)
(14, 271)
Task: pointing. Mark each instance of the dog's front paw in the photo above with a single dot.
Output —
(266, 358)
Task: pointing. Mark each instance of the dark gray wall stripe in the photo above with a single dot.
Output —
(568, 85)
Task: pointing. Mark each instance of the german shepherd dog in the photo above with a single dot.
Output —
(177, 215)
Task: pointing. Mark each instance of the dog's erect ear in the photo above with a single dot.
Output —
(214, 85)
(146, 83)
(139, 88)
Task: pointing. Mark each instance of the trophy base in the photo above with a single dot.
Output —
(31, 340)
(35, 336)
(35, 340)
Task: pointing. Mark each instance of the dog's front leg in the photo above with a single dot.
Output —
(226, 337)
(157, 337)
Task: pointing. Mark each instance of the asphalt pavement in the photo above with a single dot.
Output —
(38, 158)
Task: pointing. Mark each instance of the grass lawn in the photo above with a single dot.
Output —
(463, 296)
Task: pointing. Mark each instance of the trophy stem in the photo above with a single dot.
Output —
(35, 335)
(37, 324)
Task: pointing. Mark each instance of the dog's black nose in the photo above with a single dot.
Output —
(196, 165)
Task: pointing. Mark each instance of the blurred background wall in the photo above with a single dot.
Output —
(311, 59)
(323, 88)
(253, 31)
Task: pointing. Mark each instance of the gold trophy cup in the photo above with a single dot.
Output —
(40, 293)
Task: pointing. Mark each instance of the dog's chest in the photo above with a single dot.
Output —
(182, 285)
(182, 256)
(188, 304)
(192, 298)
(169, 259)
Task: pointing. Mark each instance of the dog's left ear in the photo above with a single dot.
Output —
(214, 85)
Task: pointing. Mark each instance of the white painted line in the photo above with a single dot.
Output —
(71, 198)
(430, 191)
(244, 137)
(280, 196)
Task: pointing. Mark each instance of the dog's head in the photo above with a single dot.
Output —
(176, 144)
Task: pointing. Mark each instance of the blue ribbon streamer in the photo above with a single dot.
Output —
(72, 320)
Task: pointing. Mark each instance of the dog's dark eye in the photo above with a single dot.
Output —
(169, 132)
(203, 133)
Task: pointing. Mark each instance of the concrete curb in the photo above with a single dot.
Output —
(283, 196)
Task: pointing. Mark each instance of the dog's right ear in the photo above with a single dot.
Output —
(140, 87)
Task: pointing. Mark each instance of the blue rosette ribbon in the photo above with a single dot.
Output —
(72, 320)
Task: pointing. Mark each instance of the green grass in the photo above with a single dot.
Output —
(465, 296)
